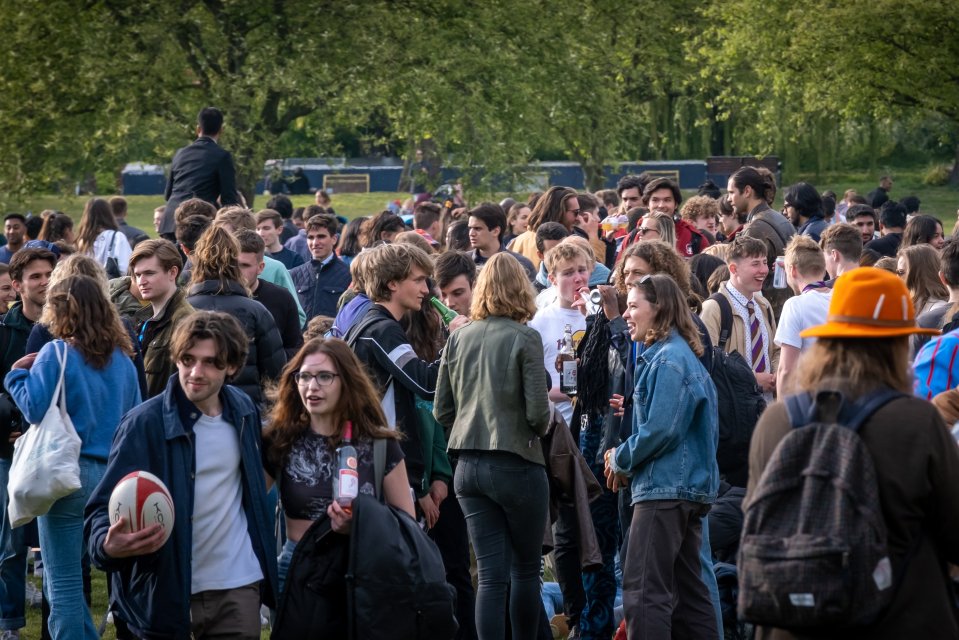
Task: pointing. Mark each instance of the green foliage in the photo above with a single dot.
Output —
(86, 87)
(936, 175)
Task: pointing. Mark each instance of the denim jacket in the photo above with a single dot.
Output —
(671, 454)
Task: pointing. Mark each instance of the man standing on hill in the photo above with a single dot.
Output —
(202, 170)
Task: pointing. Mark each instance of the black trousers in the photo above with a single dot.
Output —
(452, 539)
(664, 596)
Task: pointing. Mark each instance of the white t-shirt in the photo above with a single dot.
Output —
(551, 323)
(223, 555)
(799, 313)
(105, 245)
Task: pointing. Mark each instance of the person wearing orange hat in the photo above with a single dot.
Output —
(862, 347)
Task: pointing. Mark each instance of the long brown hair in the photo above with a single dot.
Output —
(97, 216)
(857, 365)
(77, 310)
(671, 311)
(922, 275)
(359, 401)
(215, 258)
(661, 258)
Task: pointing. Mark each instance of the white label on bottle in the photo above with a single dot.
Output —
(349, 484)
(569, 374)
(802, 599)
(882, 574)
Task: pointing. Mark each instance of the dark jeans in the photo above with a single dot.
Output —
(505, 501)
(569, 573)
(451, 539)
(664, 595)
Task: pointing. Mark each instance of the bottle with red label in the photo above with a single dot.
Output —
(346, 483)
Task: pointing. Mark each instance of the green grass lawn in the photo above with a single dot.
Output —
(941, 202)
(99, 596)
(141, 208)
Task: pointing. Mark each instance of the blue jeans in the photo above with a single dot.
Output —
(61, 538)
(283, 563)
(13, 563)
(505, 501)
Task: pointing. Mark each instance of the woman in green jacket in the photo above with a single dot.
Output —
(492, 390)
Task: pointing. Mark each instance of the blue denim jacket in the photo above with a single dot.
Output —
(671, 454)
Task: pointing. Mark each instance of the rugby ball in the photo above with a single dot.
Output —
(143, 500)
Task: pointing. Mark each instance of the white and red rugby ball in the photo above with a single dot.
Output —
(143, 500)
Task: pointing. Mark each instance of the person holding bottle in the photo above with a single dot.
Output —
(500, 477)
(307, 425)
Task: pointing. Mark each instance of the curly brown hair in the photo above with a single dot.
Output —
(215, 258)
(661, 258)
(359, 402)
(78, 310)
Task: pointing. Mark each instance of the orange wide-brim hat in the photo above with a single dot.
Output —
(869, 303)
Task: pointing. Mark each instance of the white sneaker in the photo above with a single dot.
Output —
(10, 634)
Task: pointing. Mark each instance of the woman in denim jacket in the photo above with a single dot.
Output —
(669, 463)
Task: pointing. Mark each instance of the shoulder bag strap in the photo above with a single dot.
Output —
(60, 392)
(379, 466)
(725, 319)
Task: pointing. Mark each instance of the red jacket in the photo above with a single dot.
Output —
(689, 240)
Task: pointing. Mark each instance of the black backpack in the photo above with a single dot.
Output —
(740, 399)
(386, 581)
(813, 553)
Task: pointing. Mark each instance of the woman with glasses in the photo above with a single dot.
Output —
(657, 226)
(322, 389)
(669, 465)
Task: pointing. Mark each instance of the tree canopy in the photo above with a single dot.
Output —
(88, 86)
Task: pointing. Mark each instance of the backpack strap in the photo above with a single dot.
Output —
(725, 319)
(870, 405)
(803, 408)
(379, 466)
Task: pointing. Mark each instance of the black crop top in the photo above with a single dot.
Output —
(306, 484)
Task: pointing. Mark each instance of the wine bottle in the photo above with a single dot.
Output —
(346, 484)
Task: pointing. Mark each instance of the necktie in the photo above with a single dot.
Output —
(756, 337)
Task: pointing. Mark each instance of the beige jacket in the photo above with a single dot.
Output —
(712, 318)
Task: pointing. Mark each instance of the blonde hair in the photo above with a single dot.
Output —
(584, 244)
(664, 224)
(566, 252)
(719, 250)
(805, 254)
(503, 290)
(237, 217)
(79, 264)
(358, 269)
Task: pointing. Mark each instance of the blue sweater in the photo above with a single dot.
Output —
(96, 398)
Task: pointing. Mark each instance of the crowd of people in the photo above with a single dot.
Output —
(234, 353)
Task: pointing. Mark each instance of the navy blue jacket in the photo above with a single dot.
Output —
(320, 286)
(151, 593)
(266, 357)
